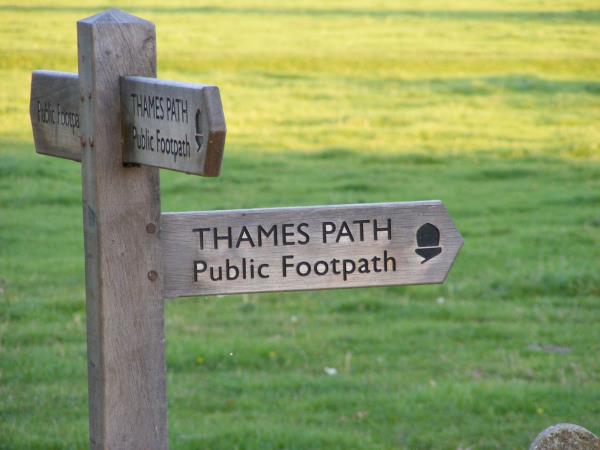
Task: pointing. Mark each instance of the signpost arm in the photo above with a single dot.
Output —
(121, 211)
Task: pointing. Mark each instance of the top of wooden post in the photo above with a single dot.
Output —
(114, 16)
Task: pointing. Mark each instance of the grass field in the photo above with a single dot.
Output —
(492, 107)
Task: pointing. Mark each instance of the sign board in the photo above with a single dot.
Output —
(172, 125)
(54, 111)
(135, 256)
(321, 247)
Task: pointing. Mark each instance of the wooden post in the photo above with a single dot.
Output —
(121, 212)
(346, 245)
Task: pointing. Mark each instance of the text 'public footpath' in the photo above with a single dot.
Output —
(160, 108)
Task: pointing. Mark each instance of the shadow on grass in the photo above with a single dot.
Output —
(471, 86)
(589, 16)
(515, 83)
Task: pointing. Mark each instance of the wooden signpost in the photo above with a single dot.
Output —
(54, 111)
(290, 249)
(172, 125)
(122, 124)
(165, 124)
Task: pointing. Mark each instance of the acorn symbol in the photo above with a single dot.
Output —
(428, 241)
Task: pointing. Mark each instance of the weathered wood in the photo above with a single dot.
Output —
(121, 209)
(177, 126)
(54, 112)
(322, 247)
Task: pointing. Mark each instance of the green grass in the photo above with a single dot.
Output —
(492, 108)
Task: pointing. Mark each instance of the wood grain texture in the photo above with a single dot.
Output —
(126, 365)
(178, 126)
(54, 112)
(307, 240)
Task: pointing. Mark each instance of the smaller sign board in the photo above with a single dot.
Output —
(54, 111)
(172, 125)
(320, 247)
